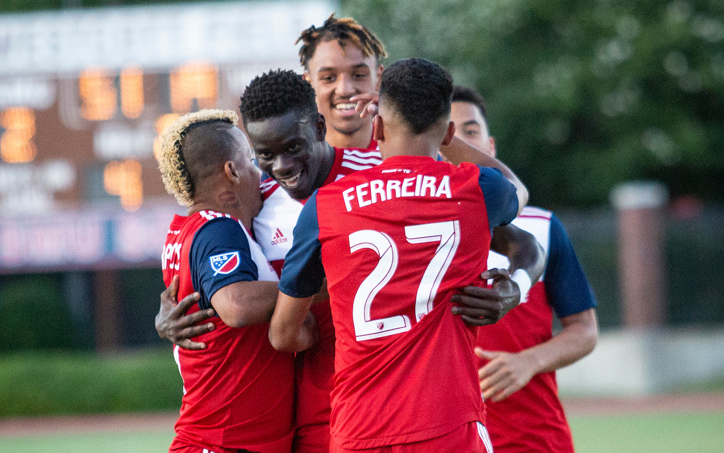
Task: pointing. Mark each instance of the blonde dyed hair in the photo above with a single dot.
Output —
(174, 170)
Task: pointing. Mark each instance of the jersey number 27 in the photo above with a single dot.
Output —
(446, 233)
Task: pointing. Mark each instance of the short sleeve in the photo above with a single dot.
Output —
(565, 283)
(303, 274)
(219, 256)
(501, 198)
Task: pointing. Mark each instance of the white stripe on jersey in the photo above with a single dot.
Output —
(365, 154)
(267, 185)
(362, 160)
(355, 167)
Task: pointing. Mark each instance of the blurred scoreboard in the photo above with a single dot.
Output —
(84, 93)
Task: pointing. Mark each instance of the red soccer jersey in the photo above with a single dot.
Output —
(239, 392)
(397, 241)
(532, 419)
(274, 228)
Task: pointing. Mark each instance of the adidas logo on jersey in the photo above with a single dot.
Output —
(278, 238)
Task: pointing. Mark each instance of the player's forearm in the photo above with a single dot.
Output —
(246, 303)
(293, 327)
(575, 341)
(458, 151)
(522, 250)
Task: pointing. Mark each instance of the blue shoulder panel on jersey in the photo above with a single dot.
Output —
(220, 256)
(566, 285)
(303, 274)
(501, 198)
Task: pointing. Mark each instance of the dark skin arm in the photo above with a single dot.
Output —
(485, 306)
(173, 324)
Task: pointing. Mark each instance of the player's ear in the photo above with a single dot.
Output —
(450, 134)
(321, 127)
(491, 143)
(231, 171)
(378, 131)
(307, 77)
(379, 71)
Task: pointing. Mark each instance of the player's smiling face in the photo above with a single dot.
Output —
(291, 149)
(337, 74)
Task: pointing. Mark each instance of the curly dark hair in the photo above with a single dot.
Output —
(465, 94)
(419, 90)
(343, 30)
(276, 93)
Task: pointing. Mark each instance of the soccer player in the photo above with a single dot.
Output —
(238, 393)
(519, 352)
(396, 243)
(287, 134)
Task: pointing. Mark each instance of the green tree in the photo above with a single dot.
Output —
(581, 95)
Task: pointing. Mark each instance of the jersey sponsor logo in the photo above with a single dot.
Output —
(278, 238)
(224, 263)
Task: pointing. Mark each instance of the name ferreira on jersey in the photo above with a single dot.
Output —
(378, 190)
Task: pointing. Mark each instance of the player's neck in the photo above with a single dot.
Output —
(233, 208)
(409, 145)
(326, 166)
(359, 139)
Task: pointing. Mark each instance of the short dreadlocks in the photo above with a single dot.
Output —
(191, 148)
(276, 93)
(343, 30)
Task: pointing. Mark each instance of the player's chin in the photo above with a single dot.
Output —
(302, 189)
(348, 126)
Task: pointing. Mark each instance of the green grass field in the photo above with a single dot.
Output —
(643, 433)
(660, 433)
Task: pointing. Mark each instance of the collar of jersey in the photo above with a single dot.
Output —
(407, 160)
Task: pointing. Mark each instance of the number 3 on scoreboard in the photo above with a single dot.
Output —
(446, 233)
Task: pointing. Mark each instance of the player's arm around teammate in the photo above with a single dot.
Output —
(509, 286)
